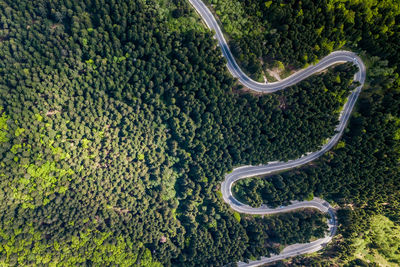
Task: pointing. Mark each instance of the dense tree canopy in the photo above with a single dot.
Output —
(118, 121)
(363, 168)
(116, 132)
(297, 33)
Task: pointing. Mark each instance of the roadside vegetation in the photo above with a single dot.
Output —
(179, 16)
(341, 175)
(299, 33)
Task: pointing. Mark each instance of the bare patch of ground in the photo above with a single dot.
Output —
(120, 211)
(275, 72)
(54, 26)
(51, 112)
(240, 90)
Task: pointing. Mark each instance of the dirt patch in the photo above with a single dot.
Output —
(120, 211)
(240, 90)
(54, 26)
(275, 72)
(51, 112)
(265, 79)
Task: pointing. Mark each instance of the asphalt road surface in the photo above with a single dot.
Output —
(271, 167)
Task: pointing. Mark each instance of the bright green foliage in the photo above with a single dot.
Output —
(39, 117)
(3, 126)
(239, 26)
(310, 196)
(236, 215)
(373, 238)
(15, 148)
(88, 245)
(19, 131)
(146, 260)
(382, 240)
(44, 173)
(85, 143)
(279, 65)
(41, 181)
(340, 144)
(179, 16)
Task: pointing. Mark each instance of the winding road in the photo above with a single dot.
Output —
(271, 167)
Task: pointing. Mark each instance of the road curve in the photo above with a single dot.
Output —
(271, 167)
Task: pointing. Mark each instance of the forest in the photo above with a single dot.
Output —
(361, 172)
(119, 120)
(293, 34)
